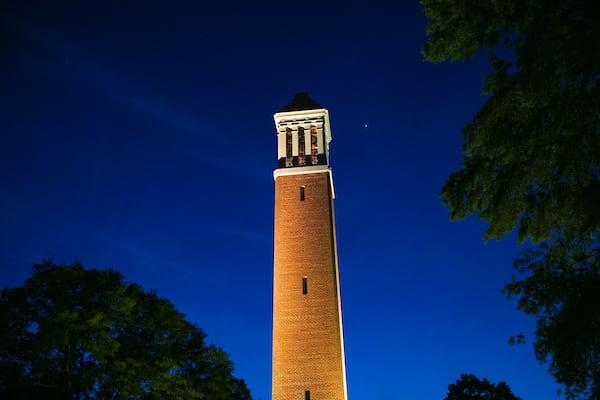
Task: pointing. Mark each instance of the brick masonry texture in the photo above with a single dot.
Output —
(307, 345)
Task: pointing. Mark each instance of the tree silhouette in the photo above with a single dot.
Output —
(469, 387)
(532, 161)
(75, 333)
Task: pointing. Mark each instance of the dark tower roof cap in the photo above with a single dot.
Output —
(301, 101)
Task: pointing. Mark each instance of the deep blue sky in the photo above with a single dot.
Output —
(139, 136)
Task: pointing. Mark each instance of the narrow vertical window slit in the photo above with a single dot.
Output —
(304, 285)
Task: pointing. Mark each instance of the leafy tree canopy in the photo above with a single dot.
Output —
(561, 287)
(532, 153)
(469, 387)
(532, 161)
(75, 333)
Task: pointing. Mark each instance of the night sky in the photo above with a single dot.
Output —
(140, 136)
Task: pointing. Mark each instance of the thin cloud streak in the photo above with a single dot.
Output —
(75, 64)
(245, 168)
(144, 256)
(247, 235)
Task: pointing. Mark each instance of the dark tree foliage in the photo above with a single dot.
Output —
(561, 286)
(532, 153)
(532, 161)
(469, 387)
(75, 333)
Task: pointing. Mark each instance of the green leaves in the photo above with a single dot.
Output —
(532, 160)
(532, 153)
(559, 282)
(77, 333)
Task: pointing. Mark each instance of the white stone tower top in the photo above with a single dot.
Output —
(303, 133)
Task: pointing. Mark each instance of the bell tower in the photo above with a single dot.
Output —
(308, 343)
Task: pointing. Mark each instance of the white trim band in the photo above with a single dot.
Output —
(313, 169)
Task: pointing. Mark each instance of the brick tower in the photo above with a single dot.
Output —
(308, 344)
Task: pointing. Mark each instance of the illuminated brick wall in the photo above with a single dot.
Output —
(307, 333)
